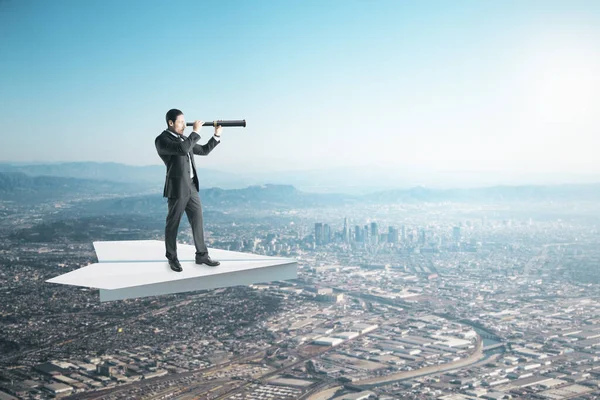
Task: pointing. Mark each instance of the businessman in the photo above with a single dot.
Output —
(181, 184)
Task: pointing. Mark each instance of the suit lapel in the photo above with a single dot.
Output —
(191, 153)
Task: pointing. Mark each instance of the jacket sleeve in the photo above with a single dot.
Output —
(167, 147)
(203, 150)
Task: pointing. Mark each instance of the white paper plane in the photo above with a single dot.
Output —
(138, 268)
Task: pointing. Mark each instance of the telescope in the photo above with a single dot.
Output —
(234, 122)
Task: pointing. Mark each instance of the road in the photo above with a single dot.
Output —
(434, 369)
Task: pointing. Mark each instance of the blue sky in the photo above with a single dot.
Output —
(446, 85)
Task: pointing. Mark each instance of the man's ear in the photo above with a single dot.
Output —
(170, 123)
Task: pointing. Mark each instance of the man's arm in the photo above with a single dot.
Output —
(168, 147)
(203, 150)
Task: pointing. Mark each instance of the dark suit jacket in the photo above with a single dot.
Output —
(174, 153)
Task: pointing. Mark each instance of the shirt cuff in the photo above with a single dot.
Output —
(217, 138)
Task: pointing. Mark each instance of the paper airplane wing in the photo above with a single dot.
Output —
(130, 269)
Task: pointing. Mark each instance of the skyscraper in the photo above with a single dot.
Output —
(326, 234)
(319, 233)
(346, 231)
(392, 235)
(358, 234)
(374, 233)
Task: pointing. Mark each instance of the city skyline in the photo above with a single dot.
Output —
(486, 88)
(492, 298)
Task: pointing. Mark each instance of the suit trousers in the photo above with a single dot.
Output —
(193, 208)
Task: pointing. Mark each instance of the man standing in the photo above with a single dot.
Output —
(181, 184)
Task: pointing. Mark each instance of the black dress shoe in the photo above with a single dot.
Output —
(205, 259)
(175, 265)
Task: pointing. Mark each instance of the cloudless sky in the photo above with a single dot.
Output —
(467, 85)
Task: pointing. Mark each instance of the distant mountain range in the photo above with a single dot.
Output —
(588, 192)
(151, 175)
(15, 184)
(350, 180)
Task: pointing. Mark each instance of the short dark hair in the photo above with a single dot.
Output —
(172, 115)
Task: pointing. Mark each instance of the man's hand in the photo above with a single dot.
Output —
(198, 126)
(218, 130)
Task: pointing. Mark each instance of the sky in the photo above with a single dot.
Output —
(478, 86)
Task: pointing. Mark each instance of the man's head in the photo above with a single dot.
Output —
(175, 121)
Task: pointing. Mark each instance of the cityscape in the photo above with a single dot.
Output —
(420, 300)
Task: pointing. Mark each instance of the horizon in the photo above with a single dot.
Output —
(465, 88)
(363, 182)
